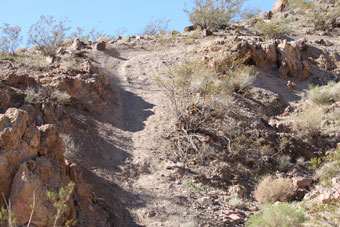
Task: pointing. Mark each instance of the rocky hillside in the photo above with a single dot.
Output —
(231, 127)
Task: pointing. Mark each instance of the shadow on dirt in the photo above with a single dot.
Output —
(135, 111)
(112, 52)
(113, 199)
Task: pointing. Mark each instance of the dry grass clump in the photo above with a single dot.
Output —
(272, 189)
(327, 94)
(308, 120)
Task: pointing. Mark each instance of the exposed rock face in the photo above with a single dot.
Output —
(31, 164)
(280, 6)
(272, 55)
(292, 64)
(35, 179)
(32, 159)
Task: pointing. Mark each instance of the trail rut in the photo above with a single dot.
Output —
(141, 179)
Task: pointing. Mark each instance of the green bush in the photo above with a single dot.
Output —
(271, 29)
(60, 202)
(214, 14)
(280, 215)
(10, 38)
(156, 26)
(47, 34)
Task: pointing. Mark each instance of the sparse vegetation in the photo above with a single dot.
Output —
(214, 14)
(323, 95)
(271, 29)
(46, 94)
(278, 215)
(308, 120)
(156, 26)
(249, 13)
(271, 189)
(283, 162)
(47, 34)
(10, 38)
(317, 14)
(201, 100)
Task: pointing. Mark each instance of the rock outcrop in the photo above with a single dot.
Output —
(32, 163)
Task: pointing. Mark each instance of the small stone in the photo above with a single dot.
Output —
(151, 214)
(235, 218)
(206, 200)
(101, 46)
(49, 59)
(302, 182)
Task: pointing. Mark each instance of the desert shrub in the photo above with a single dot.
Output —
(46, 94)
(323, 95)
(279, 215)
(283, 162)
(214, 14)
(316, 13)
(201, 100)
(10, 38)
(271, 189)
(308, 120)
(156, 26)
(271, 29)
(95, 34)
(47, 34)
(241, 79)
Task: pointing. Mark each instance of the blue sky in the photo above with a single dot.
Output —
(106, 15)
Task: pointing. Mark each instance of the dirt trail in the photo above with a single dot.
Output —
(143, 181)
